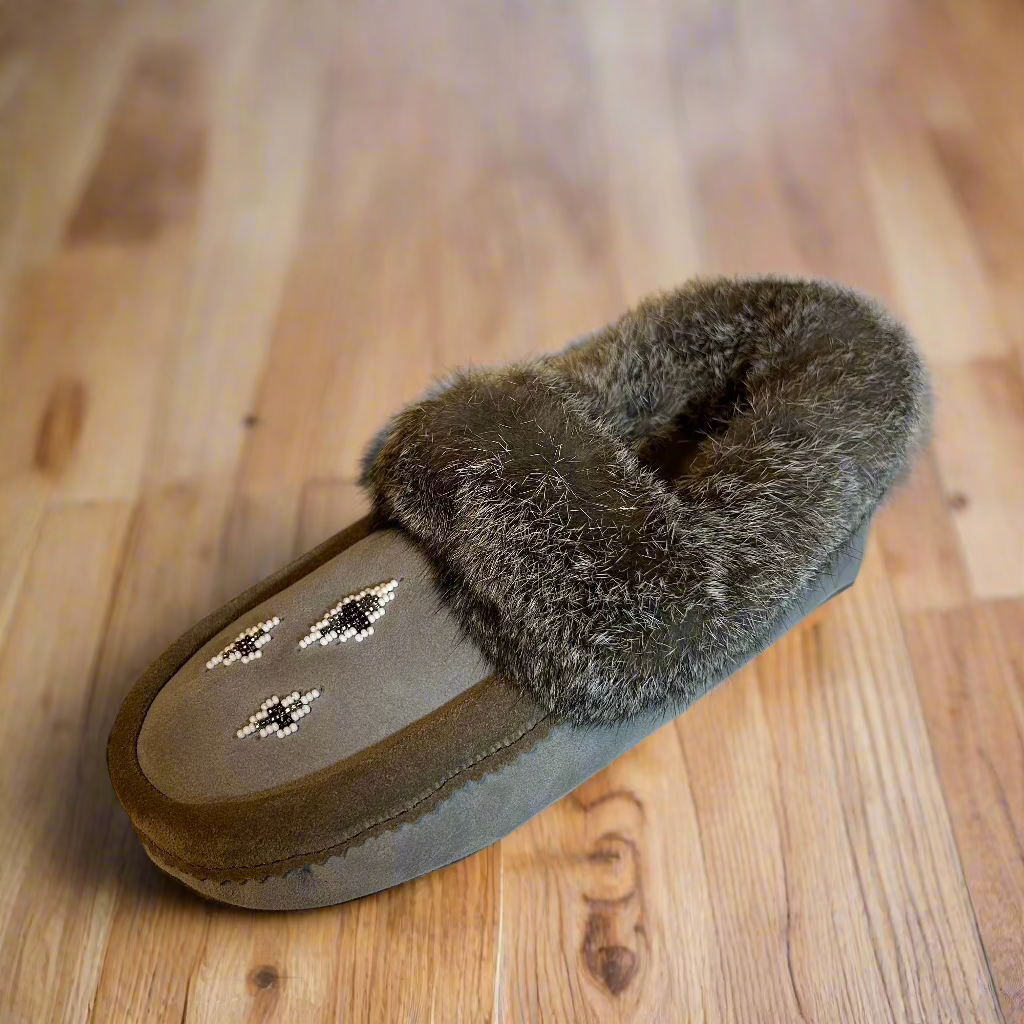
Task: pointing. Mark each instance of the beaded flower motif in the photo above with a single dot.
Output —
(279, 716)
(246, 646)
(352, 617)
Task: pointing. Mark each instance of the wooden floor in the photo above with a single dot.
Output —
(235, 234)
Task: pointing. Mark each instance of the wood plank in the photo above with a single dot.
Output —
(89, 333)
(755, 874)
(969, 665)
(426, 950)
(353, 337)
(327, 507)
(967, 100)
(983, 171)
(53, 921)
(22, 506)
(652, 223)
(885, 803)
(917, 533)
(157, 930)
(775, 177)
(258, 967)
(77, 391)
(258, 539)
(249, 213)
(846, 857)
(938, 276)
(91, 325)
(70, 78)
(792, 820)
(813, 155)
(561, 183)
(148, 175)
(607, 907)
(979, 437)
(321, 398)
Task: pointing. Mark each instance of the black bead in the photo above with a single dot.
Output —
(351, 616)
(246, 645)
(279, 714)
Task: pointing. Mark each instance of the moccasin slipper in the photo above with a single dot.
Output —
(563, 555)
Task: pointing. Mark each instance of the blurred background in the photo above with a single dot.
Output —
(236, 234)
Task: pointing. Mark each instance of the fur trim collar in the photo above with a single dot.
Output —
(613, 525)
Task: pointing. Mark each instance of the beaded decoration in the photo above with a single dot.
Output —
(246, 646)
(279, 716)
(352, 617)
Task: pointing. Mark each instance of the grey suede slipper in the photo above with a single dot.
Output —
(563, 555)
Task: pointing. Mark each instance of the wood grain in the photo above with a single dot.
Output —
(609, 945)
(979, 437)
(147, 177)
(235, 236)
(923, 553)
(154, 928)
(970, 665)
(54, 935)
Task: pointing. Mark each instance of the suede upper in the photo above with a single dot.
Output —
(415, 663)
(613, 525)
(311, 817)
